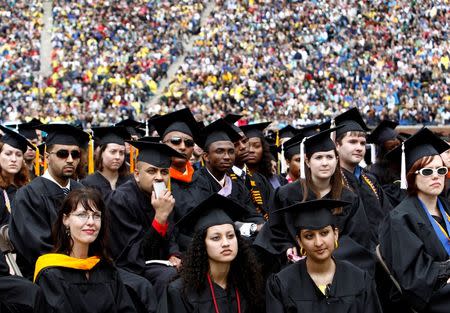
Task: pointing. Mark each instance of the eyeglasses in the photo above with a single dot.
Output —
(176, 141)
(84, 216)
(427, 171)
(64, 154)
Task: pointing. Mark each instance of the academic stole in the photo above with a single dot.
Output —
(438, 229)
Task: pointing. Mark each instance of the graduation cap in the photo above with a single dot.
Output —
(383, 132)
(132, 126)
(309, 130)
(215, 210)
(287, 132)
(292, 146)
(15, 139)
(28, 130)
(156, 154)
(181, 120)
(351, 120)
(255, 130)
(423, 143)
(325, 125)
(111, 134)
(64, 134)
(150, 139)
(218, 130)
(314, 215)
(231, 119)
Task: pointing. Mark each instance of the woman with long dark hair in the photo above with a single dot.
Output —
(414, 237)
(319, 282)
(111, 169)
(79, 275)
(13, 169)
(320, 178)
(219, 274)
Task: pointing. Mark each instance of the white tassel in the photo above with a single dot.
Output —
(146, 129)
(403, 182)
(333, 133)
(302, 159)
(373, 154)
(283, 166)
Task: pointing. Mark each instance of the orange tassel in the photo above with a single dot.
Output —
(131, 159)
(37, 163)
(169, 185)
(91, 155)
(45, 158)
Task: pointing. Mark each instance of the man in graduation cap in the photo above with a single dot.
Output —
(219, 154)
(351, 147)
(179, 130)
(36, 204)
(141, 217)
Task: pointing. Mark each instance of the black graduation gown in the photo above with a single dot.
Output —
(4, 213)
(36, 206)
(293, 291)
(99, 182)
(414, 254)
(175, 300)
(68, 290)
(207, 185)
(356, 244)
(376, 205)
(133, 238)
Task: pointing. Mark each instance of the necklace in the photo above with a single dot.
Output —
(213, 294)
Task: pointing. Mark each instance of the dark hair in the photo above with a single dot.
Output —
(264, 166)
(123, 171)
(411, 175)
(335, 182)
(356, 133)
(89, 199)
(244, 271)
(21, 178)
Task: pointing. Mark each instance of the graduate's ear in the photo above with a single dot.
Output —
(336, 233)
(136, 172)
(297, 238)
(206, 156)
(307, 161)
(65, 220)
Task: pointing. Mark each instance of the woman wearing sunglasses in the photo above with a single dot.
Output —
(79, 275)
(220, 273)
(13, 169)
(319, 282)
(111, 169)
(414, 237)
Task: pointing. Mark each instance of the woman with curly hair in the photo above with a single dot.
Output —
(79, 275)
(14, 172)
(219, 274)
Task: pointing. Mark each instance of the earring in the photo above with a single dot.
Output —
(67, 231)
(336, 244)
(302, 251)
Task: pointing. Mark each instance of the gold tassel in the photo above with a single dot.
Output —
(277, 143)
(37, 163)
(91, 155)
(45, 158)
(169, 185)
(131, 159)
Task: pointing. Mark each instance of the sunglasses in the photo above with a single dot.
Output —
(64, 154)
(176, 141)
(426, 171)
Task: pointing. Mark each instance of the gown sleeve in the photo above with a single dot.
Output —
(123, 300)
(371, 301)
(274, 297)
(172, 301)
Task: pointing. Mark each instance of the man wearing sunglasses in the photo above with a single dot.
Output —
(178, 130)
(38, 202)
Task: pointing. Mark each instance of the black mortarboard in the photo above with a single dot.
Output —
(255, 130)
(351, 120)
(320, 142)
(422, 143)
(215, 210)
(181, 120)
(315, 214)
(287, 132)
(218, 131)
(28, 130)
(132, 126)
(325, 125)
(112, 134)
(231, 119)
(15, 139)
(157, 154)
(309, 130)
(292, 146)
(383, 132)
(150, 139)
(64, 134)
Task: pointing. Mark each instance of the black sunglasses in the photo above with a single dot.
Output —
(64, 154)
(176, 141)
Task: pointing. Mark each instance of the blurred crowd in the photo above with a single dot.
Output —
(295, 62)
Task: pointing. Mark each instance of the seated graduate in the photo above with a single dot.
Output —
(79, 275)
(142, 215)
(320, 179)
(220, 273)
(111, 170)
(13, 169)
(414, 237)
(318, 282)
